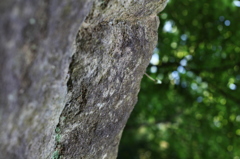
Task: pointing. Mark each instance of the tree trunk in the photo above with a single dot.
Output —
(68, 96)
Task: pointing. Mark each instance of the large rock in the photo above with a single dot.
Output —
(68, 93)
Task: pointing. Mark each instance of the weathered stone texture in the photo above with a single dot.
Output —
(36, 45)
(68, 96)
(114, 46)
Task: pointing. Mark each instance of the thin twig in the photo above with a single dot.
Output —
(154, 80)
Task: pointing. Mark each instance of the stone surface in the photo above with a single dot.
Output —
(68, 96)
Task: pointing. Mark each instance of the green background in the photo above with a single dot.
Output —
(195, 112)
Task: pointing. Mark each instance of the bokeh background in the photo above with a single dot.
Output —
(195, 112)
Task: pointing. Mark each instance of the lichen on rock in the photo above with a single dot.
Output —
(113, 48)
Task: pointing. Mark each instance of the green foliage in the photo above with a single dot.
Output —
(55, 155)
(57, 130)
(195, 112)
(57, 138)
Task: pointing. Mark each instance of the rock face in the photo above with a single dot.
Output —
(66, 93)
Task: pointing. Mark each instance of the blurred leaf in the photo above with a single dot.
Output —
(195, 112)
